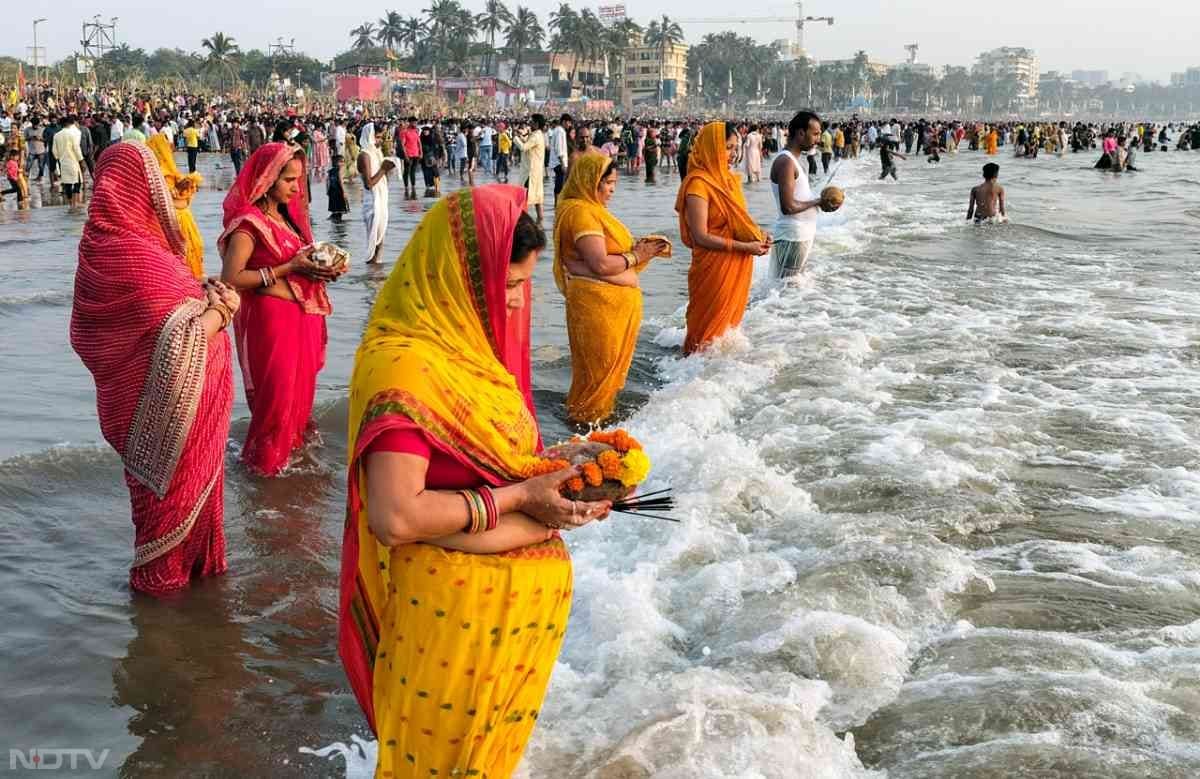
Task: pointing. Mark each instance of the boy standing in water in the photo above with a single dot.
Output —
(987, 199)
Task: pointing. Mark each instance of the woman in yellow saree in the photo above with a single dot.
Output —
(596, 267)
(455, 587)
(714, 223)
(183, 187)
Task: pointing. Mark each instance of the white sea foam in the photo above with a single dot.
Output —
(827, 459)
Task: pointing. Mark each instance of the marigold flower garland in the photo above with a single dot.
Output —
(626, 462)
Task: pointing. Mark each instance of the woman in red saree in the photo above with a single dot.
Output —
(448, 636)
(280, 329)
(151, 336)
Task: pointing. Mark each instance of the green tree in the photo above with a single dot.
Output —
(524, 34)
(616, 39)
(390, 31)
(663, 34)
(719, 54)
(451, 28)
(495, 18)
(564, 26)
(363, 35)
(222, 55)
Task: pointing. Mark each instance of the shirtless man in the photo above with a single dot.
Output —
(987, 199)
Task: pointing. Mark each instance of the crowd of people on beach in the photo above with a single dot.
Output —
(426, 149)
(456, 584)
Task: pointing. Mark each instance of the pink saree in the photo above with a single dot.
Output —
(281, 344)
(164, 392)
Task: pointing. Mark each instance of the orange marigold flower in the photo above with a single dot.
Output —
(610, 464)
(575, 484)
(592, 474)
(542, 466)
(618, 439)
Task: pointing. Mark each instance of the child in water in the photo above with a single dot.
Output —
(987, 199)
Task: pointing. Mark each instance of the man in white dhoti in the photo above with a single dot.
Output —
(373, 169)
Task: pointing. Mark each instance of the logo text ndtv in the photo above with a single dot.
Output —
(53, 759)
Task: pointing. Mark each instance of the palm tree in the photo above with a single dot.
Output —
(495, 17)
(587, 42)
(615, 41)
(565, 24)
(450, 30)
(222, 53)
(523, 33)
(412, 33)
(663, 34)
(391, 31)
(858, 72)
(363, 35)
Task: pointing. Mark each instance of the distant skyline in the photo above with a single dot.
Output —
(1151, 44)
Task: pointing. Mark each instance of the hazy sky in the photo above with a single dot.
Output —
(1150, 38)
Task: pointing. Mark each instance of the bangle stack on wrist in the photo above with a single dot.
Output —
(482, 515)
(267, 275)
(224, 312)
(630, 260)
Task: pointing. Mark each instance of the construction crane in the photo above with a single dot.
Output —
(800, 20)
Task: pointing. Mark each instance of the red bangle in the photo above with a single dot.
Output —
(489, 503)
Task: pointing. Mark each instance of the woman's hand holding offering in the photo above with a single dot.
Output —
(542, 500)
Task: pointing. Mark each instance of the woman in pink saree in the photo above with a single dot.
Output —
(280, 329)
(150, 334)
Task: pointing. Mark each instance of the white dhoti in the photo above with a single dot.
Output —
(789, 258)
(375, 200)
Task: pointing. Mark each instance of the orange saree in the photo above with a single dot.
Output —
(718, 281)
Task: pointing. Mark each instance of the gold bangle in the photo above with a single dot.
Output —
(223, 312)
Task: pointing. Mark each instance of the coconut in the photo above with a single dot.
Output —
(832, 199)
(328, 255)
(580, 453)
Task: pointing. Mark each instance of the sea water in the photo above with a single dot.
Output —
(940, 503)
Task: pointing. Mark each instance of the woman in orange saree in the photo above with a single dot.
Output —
(455, 587)
(714, 223)
(151, 336)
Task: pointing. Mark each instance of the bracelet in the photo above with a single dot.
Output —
(630, 260)
(489, 503)
(264, 278)
(271, 273)
(224, 312)
(729, 244)
(477, 512)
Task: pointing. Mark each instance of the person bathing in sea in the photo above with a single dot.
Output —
(987, 199)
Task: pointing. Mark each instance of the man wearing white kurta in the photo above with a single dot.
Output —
(70, 161)
(533, 159)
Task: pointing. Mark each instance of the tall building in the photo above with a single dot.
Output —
(642, 73)
(1091, 78)
(1191, 77)
(1014, 64)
